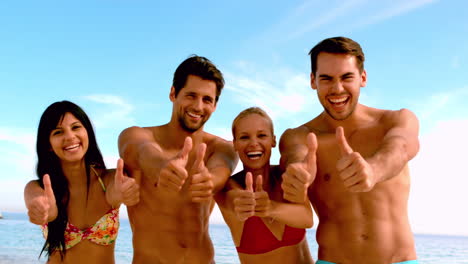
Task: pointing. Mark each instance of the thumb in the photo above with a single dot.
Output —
(342, 142)
(312, 150)
(249, 182)
(199, 162)
(48, 191)
(183, 154)
(259, 184)
(119, 176)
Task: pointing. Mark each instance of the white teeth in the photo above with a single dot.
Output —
(194, 115)
(72, 147)
(338, 100)
(254, 154)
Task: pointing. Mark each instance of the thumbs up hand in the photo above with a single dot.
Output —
(201, 187)
(262, 200)
(244, 200)
(42, 206)
(357, 174)
(173, 175)
(299, 176)
(127, 189)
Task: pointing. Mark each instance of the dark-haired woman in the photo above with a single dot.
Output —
(76, 200)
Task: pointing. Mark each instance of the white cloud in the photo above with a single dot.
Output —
(281, 93)
(118, 110)
(441, 106)
(11, 195)
(17, 149)
(310, 16)
(439, 180)
(384, 10)
(322, 18)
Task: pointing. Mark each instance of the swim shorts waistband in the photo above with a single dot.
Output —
(404, 262)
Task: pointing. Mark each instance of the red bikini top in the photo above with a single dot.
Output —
(258, 239)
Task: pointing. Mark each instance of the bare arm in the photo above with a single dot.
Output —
(291, 214)
(40, 202)
(123, 189)
(292, 147)
(140, 152)
(221, 164)
(298, 150)
(399, 146)
(297, 215)
(247, 202)
(209, 177)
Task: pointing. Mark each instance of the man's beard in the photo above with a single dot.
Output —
(338, 118)
(188, 128)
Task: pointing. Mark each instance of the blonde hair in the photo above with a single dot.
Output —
(250, 111)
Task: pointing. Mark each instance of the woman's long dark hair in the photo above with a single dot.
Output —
(49, 163)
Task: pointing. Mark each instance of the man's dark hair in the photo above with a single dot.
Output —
(337, 45)
(201, 67)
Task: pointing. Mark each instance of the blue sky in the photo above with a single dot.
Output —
(116, 60)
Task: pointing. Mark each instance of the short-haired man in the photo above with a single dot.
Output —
(181, 167)
(351, 160)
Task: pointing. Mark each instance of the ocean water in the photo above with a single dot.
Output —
(21, 242)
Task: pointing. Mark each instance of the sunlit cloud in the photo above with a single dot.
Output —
(323, 18)
(280, 93)
(112, 110)
(17, 149)
(442, 106)
(439, 180)
(385, 10)
(310, 16)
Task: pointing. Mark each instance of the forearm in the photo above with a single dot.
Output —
(294, 215)
(221, 179)
(390, 159)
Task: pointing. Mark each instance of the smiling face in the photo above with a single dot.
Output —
(338, 82)
(195, 103)
(253, 141)
(69, 140)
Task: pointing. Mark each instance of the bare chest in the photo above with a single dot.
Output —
(365, 141)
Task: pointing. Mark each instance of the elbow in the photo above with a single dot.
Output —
(307, 222)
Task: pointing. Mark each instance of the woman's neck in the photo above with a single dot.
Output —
(75, 173)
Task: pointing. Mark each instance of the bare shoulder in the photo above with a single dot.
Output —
(402, 117)
(292, 134)
(298, 135)
(215, 143)
(138, 135)
(220, 151)
(136, 131)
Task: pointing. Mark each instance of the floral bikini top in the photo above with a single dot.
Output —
(103, 232)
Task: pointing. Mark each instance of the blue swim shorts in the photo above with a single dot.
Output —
(404, 262)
